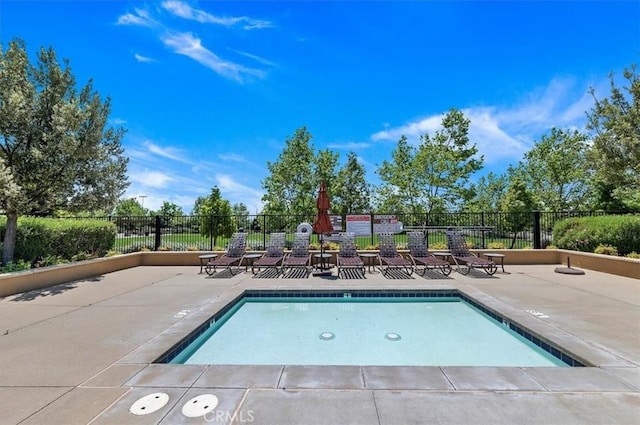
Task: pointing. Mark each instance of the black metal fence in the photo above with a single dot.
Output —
(206, 233)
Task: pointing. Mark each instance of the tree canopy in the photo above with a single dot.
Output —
(57, 150)
(615, 156)
(556, 170)
(434, 176)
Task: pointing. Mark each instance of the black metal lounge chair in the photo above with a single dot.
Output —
(466, 260)
(274, 255)
(389, 257)
(299, 256)
(422, 259)
(347, 257)
(233, 256)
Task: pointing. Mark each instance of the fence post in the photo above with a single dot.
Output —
(211, 232)
(158, 235)
(483, 229)
(264, 231)
(537, 244)
(372, 242)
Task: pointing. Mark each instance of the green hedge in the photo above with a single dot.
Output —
(587, 233)
(50, 237)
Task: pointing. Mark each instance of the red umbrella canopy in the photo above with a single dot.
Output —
(322, 223)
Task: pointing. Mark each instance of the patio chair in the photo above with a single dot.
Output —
(347, 257)
(389, 258)
(422, 259)
(233, 256)
(299, 256)
(274, 255)
(466, 260)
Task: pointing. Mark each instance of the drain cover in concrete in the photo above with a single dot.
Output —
(149, 404)
(200, 405)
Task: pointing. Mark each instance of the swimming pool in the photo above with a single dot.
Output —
(385, 328)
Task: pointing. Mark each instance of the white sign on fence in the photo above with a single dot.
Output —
(359, 225)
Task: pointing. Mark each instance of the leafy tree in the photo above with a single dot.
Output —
(130, 207)
(351, 193)
(556, 170)
(197, 205)
(240, 213)
(325, 164)
(290, 188)
(168, 213)
(56, 150)
(615, 122)
(215, 218)
(400, 190)
(488, 193)
(169, 209)
(434, 176)
(518, 203)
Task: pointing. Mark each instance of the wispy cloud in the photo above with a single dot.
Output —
(256, 58)
(237, 192)
(153, 179)
(141, 17)
(349, 146)
(185, 11)
(188, 45)
(170, 153)
(506, 132)
(117, 121)
(232, 157)
(143, 59)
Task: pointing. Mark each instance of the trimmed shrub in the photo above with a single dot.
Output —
(606, 250)
(496, 245)
(587, 233)
(54, 238)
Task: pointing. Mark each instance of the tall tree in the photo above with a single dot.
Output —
(169, 209)
(325, 164)
(518, 203)
(215, 220)
(399, 191)
(240, 213)
(55, 144)
(197, 205)
(446, 161)
(130, 207)
(351, 191)
(556, 170)
(168, 213)
(434, 176)
(615, 122)
(488, 193)
(290, 188)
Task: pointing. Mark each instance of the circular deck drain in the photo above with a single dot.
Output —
(200, 405)
(327, 336)
(392, 336)
(149, 404)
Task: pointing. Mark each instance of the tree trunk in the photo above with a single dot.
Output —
(10, 238)
(513, 241)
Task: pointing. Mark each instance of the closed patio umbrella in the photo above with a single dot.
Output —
(322, 223)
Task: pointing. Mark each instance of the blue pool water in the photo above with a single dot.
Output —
(409, 332)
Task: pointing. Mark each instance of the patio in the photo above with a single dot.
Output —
(80, 353)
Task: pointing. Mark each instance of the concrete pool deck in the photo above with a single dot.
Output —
(80, 353)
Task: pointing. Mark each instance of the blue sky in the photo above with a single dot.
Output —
(209, 91)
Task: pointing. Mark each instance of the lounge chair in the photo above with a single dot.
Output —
(347, 257)
(274, 255)
(422, 259)
(389, 257)
(233, 256)
(299, 256)
(463, 257)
